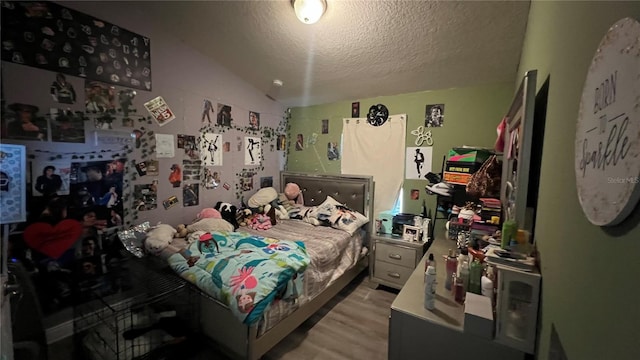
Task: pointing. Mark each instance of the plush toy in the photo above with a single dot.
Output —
(209, 213)
(264, 196)
(181, 231)
(244, 217)
(261, 222)
(228, 213)
(159, 237)
(293, 192)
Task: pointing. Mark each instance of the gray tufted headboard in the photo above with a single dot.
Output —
(355, 191)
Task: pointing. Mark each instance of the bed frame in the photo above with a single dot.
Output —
(242, 341)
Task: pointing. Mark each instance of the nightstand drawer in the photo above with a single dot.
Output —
(396, 255)
(392, 273)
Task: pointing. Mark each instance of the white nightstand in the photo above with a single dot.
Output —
(393, 259)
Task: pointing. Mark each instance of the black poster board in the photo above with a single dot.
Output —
(52, 37)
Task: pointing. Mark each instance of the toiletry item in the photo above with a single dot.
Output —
(458, 290)
(464, 256)
(486, 285)
(509, 230)
(464, 274)
(429, 262)
(451, 267)
(475, 275)
(430, 288)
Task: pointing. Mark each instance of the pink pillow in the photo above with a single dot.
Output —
(209, 213)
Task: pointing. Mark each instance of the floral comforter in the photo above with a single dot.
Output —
(246, 272)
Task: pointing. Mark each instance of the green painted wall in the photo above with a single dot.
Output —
(590, 275)
(471, 117)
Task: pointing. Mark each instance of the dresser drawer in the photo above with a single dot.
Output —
(391, 273)
(396, 255)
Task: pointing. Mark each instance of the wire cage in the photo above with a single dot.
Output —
(156, 318)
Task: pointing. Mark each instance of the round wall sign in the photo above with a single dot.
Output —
(607, 146)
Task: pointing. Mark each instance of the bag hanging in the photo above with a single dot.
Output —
(486, 181)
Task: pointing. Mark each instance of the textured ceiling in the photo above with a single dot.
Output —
(358, 49)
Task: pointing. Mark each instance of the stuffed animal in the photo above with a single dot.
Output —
(209, 213)
(293, 192)
(181, 231)
(244, 217)
(228, 213)
(158, 238)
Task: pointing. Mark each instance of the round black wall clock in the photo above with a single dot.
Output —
(378, 115)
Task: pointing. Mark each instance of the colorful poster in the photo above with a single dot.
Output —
(211, 154)
(50, 177)
(160, 111)
(253, 150)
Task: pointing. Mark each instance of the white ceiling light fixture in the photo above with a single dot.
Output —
(309, 11)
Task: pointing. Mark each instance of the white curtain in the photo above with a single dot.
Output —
(377, 151)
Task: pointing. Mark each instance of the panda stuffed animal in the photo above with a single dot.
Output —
(228, 213)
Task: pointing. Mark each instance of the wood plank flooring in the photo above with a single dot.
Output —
(353, 325)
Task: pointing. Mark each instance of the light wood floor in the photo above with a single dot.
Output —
(353, 325)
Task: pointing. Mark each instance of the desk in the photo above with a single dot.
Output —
(417, 333)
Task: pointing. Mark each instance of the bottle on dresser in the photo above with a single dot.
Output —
(475, 276)
(430, 261)
(430, 286)
(451, 266)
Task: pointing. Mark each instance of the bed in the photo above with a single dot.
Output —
(336, 258)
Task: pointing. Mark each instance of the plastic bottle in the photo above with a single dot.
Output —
(487, 287)
(475, 275)
(464, 256)
(509, 230)
(430, 288)
(458, 290)
(464, 274)
(430, 261)
(451, 267)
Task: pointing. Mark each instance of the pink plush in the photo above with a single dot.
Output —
(292, 191)
(209, 213)
(261, 222)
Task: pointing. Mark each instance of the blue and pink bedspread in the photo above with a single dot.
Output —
(246, 272)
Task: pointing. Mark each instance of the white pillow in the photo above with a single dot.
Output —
(209, 225)
(339, 216)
